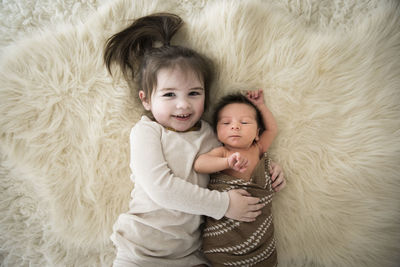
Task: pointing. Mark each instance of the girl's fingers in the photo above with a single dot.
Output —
(252, 200)
(276, 174)
(276, 184)
(280, 186)
(246, 219)
(253, 214)
(256, 207)
(245, 193)
(277, 179)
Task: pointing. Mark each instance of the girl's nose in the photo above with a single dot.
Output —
(183, 104)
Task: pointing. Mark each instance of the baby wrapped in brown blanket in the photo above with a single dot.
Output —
(246, 128)
(227, 242)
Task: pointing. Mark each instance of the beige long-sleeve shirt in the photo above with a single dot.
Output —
(161, 227)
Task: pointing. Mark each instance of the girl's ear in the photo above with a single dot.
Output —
(257, 135)
(145, 100)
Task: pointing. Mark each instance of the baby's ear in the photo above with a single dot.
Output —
(145, 100)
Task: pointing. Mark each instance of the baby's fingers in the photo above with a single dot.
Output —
(254, 95)
(242, 169)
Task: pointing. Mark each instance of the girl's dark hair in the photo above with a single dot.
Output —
(144, 48)
(239, 99)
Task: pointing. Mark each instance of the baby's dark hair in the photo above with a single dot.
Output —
(144, 48)
(239, 99)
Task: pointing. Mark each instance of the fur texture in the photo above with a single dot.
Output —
(331, 75)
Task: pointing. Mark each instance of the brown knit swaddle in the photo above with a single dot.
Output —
(227, 242)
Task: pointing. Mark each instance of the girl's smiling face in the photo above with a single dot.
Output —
(178, 100)
(237, 126)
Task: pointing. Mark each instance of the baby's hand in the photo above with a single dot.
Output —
(237, 162)
(256, 97)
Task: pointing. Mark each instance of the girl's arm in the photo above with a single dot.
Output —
(171, 192)
(216, 161)
(271, 128)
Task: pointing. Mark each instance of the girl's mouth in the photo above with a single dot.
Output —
(182, 117)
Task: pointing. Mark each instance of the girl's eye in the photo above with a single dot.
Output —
(168, 94)
(244, 122)
(194, 93)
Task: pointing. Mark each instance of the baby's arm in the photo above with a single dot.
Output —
(215, 161)
(271, 128)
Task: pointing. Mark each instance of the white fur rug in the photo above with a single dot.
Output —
(331, 75)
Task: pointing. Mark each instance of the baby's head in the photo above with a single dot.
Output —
(164, 73)
(237, 122)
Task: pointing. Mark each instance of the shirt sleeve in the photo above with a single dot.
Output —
(162, 186)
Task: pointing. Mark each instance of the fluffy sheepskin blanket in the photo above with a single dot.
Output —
(330, 71)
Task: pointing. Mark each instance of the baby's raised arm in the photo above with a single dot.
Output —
(271, 128)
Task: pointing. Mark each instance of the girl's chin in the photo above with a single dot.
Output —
(181, 127)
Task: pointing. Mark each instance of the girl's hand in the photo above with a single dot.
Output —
(277, 177)
(256, 97)
(242, 206)
(237, 162)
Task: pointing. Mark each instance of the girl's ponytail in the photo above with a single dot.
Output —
(143, 48)
(127, 48)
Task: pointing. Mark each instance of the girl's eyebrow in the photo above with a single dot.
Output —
(175, 89)
(167, 89)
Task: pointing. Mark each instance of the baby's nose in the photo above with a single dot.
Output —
(235, 126)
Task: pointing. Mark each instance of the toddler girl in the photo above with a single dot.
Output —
(162, 226)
